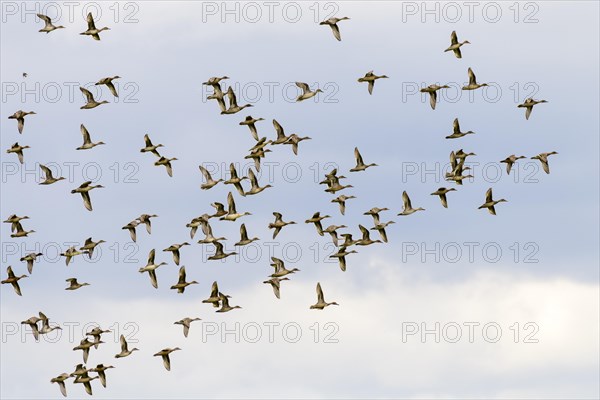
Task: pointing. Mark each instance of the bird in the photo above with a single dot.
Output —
(210, 182)
(74, 285)
(96, 333)
(233, 105)
(281, 137)
(255, 188)
(181, 282)
(49, 27)
(46, 328)
(543, 158)
(261, 144)
(458, 167)
(432, 90)
(49, 178)
(294, 139)
(149, 147)
(306, 92)
(278, 224)
(316, 219)
(276, 285)
(145, 219)
(15, 222)
(249, 122)
(80, 370)
(24, 74)
(348, 241)
(84, 190)
(408, 209)
(332, 230)
(235, 180)
(151, 268)
(20, 117)
(174, 248)
(341, 256)
(109, 84)
(256, 155)
(332, 22)
(210, 238)
(87, 141)
(366, 238)
(460, 154)
(374, 212)
(370, 77)
(32, 323)
(360, 165)
(455, 45)
(85, 346)
(167, 163)
(218, 96)
(124, 348)
(456, 133)
(100, 370)
(196, 222)
(341, 200)
(90, 101)
(20, 232)
(321, 304)
(86, 382)
(219, 253)
(280, 269)
(232, 213)
(219, 210)
(473, 82)
(92, 30)
(131, 228)
(185, 322)
(442, 193)
(244, 240)
(18, 150)
(490, 202)
(214, 298)
(510, 160)
(528, 105)
(13, 280)
(225, 307)
(60, 379)
(89, 245)
(215, 81)
(380, 227)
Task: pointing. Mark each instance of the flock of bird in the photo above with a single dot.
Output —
(228, 105)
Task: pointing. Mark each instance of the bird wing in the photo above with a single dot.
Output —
(123, 343)
(231, 97)
(305, 88)
(371, 86)
(153, 278)
(406, 201)
(320, 297)
(147, 140)
(87, 201)
(488, 196)
(231, 204)
(457, 52)
(253, 179)
(455, 126)
(205, 173)
(279, 130)
(86, 135)
(336, 31)
(472, 79)
(528, 111)
(88, 95)
(453, 38)
(364, 231)
(48, 22)
(112, 88)
(432, 99)
(181, 275)
(359, 160)
(243, 232)
(151, 256)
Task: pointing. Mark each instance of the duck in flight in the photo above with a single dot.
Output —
(225, 307)
(210, 182)
(456, 133)
(235, 180)
(186, 323)
(408, 208)
(90, 101)
(473, 82)
(125, 348)
(18, 150)
(244, 240)
(233, 105)
(84, 189)
(306, 92)
(249, 122)
(432, 90)
(316, 219)
(255, 188)
(360, 165)
(509, 161)
(232, 213)
(321, 303)
(13, 280)
(455, 45)
(341, 200)
(149, 147)
(543, 158)
(332, 23)
(528, 105)
(181, 282)
(278, 224)
(174, 248)
(74, 285)
(151, 268)
(370, 77)
(441, 192)
(87, 141)
(48, 27)
(167, 163)
(92, 30)
(20, 117)
(49, 178)
(30, 259)
(490, 202)
(109, 84)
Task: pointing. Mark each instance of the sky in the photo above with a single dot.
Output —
(459, 303)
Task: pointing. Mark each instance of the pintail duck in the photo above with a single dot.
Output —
(149, 147)
(48, 27)
(74, 285)
(473, 82)
(181, 283)
(341, 200)
(456, 133)
(219, 253)
(332, 230)
(174, 248)
(232, 214)
(32, 323)
(348, 241)
(60, 379)
(543, 158)
(210, 182)
(100, 370)
(432, 90)
(370, 77)
(20, 232)
(124, 348)
(196, 222)
(528, 105)
(360, 164)
(235, 180)
(260, 144)
(225, 307)
(89, 246)
(490, 202)
(167, 163)
(281, 137)
(96, 333)
(255, 189)
(214, 298)
(249, 122)
(276, 285)
(186, 322)
(442, 193)
(366, 238)
(20, 117)
(131, 228)
(244, 240)
(49, 178)
(46, 328)
(109, 84)
(92, 30)
(84, 190)
(280, 270)
(321, 304)
(13, 280)
(336, 187)
(233, 105)
(332, 22)
(85, 346)
(455, 45)
(30, 258)
(294, 139)
(408, 209)
(341, 256)
(380, 227)
(278, 224)
(374, 212)
(145, 219)
(219, 210)
(151, 268)
(316, 219)
(306, 92)
(210, 238)
(90, 101)
(18, 150)
(87, 141)
(510, 160)
(15, 221)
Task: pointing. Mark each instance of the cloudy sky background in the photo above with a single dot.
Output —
(547, 233)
